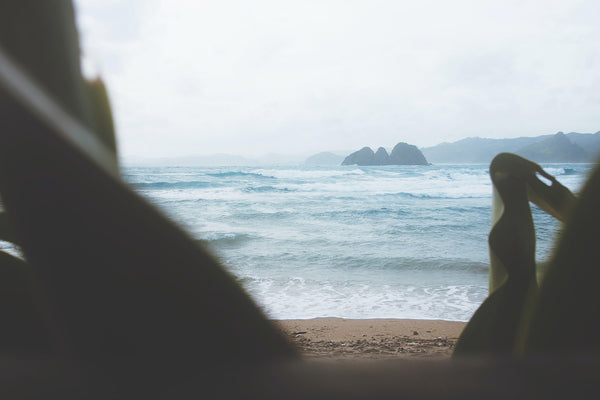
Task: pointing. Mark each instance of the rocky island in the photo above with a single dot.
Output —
(402, 154)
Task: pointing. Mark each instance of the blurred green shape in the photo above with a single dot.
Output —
(24, 330)
(7, 233)
(123, 288)
(101, 120)
(565, 316)
(41, 37)
(499, 323)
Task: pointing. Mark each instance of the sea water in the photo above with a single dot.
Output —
(347, 241)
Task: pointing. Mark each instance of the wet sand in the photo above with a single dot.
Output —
(341, 339)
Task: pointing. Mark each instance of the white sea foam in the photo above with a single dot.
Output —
(356, 242)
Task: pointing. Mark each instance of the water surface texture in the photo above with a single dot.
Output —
(353, 242)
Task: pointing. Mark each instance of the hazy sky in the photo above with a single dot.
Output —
(259, 76)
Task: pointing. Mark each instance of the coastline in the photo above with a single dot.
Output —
(351, 339)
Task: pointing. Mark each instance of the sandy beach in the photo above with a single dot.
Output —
(341, 339)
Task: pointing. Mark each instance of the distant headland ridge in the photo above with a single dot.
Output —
(562, 147)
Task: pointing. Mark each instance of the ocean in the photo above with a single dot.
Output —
(347, 241)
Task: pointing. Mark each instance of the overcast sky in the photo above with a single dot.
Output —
(254, 77)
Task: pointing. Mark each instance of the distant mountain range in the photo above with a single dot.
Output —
(560, 147)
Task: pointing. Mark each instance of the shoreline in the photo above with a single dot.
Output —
(350, 339)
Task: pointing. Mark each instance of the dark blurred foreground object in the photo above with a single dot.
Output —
(116, 301)
(508, 320)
